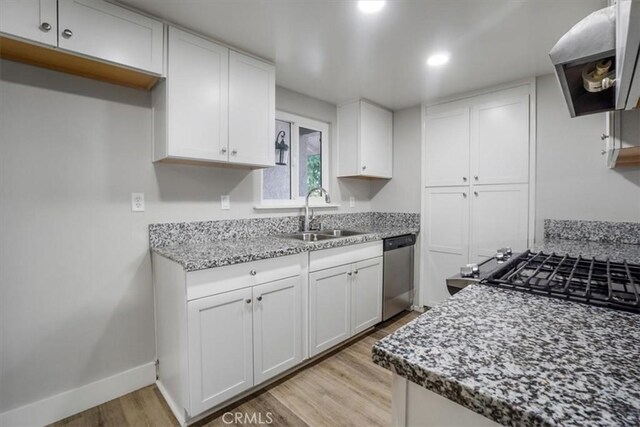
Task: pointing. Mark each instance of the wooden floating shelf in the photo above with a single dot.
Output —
(58, 60)
(629, 156)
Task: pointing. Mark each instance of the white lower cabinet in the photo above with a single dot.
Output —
(344, 299)
(220, 332)
(220, 348)
(366, 295)
(329, 299)
(277, 328)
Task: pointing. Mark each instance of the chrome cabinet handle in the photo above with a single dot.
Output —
(45, 26)
(464, 194)
(475, 177)
(259, 298)
(67, 33)
(355, 272)
(464, 178)
(349, 273)
(364, 168)
(253, 272)
(223, 150)
(234, 152)
(248, 300)
(475, 193)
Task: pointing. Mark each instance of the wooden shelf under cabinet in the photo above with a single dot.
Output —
(55, 59)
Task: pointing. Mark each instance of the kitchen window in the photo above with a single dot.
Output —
(301, 146)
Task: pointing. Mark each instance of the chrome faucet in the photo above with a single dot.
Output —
(327, 199)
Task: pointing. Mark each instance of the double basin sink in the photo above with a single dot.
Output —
(314, 236)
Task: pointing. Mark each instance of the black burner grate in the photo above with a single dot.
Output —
(606, 283)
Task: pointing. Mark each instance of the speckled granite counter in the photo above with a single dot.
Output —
(521, 359)
(196, 246)
(589, 249)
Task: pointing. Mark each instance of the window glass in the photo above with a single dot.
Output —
(276, 182)
(310, 160)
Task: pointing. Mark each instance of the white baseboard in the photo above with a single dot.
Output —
(80, 399)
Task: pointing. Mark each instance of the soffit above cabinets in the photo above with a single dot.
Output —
(330, 51)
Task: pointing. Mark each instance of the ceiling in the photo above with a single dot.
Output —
(329, 50)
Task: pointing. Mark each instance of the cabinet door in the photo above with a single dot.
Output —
(252, 111)
(329, 308)
(446, 236)
(277, 327)
(376, 141)
(109, 32)
(500, 217)
(447, 148)
(366, 295)
(198, 97)
(220, 348)
(35, 20)
(500, 141)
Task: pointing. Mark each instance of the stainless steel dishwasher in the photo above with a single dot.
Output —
(397, 288)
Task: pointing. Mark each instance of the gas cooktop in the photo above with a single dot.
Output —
(604, 283)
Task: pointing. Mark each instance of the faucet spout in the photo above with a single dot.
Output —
(327, 199)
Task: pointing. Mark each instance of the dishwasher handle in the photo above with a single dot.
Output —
(399, 242)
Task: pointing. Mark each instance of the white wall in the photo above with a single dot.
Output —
(402, 193)
(573, 181)
(76, 302)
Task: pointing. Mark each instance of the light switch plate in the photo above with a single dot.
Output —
(352, 202)
(137, 202)
(225, 203)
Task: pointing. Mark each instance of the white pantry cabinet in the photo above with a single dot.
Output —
(216, 105)
(35, 20)
(222, 331)
(477, 169)
(365, 140)
(345, 294)
(480, 143)
(92, 28)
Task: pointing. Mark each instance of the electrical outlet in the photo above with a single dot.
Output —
(137, 202)
(225, 203)
(352, 202)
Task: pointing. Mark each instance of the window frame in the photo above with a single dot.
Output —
(295, 200)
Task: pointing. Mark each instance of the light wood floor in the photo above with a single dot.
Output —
(344, 388)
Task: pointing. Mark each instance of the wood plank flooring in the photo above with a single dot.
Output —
(343, 388)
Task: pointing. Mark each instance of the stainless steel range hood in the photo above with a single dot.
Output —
(581, 57)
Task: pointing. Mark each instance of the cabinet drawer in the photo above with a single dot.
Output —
(213, 281)
(328, 258)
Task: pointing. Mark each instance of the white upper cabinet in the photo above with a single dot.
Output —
(500, 141)
(365, 140)
(252, 111)
(216, 105)
(197, 91)
(35, 20)
(447, 150)
(103, 30)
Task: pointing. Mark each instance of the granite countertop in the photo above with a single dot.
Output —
(522, 359)
(600, 250)
(199, 256)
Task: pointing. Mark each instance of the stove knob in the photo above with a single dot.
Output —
(508, 251)
(466, 271)
(474, 268)
(500, 257)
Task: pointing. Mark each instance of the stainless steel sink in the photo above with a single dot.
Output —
(340, 233)
(309, 236)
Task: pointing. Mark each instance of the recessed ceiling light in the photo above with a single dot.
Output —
(370, 6)
(437, 59)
